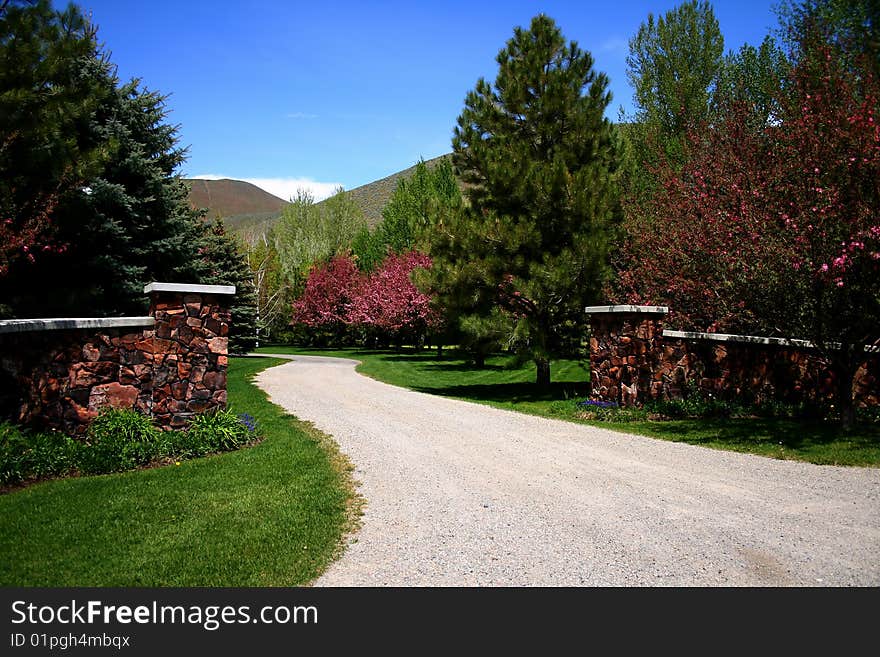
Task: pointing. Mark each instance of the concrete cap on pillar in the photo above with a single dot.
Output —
(186, 288)
(655, 310)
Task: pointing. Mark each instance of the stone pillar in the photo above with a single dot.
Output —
(189, 350)
(626, 344)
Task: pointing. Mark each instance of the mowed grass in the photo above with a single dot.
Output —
(502, 382)
(505, 384)
(269, 515)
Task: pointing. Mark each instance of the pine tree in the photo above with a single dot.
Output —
(47, 149)
(538, 158)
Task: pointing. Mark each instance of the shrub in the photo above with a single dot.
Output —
(184, 445)
(222, 430)
(120, 439)
(30, 455)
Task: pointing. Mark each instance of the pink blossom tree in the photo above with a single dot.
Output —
(774, 227)
(389, 303)
(330, 292)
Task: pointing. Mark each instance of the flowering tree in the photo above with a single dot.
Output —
(329, 294)
(775, 227)
(386, 303)
(389, 302)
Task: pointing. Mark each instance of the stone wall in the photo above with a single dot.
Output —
(170, 365)
(633, 359)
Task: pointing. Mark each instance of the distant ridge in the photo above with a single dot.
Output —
(245, 208)
(240, 204)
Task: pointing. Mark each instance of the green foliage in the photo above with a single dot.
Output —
(273, 292)
(119, 440)
(308, 233)
(124, 225)
(369, 248)
(413, 207)
(223, 264)
(752, 76)
(119, 220)
(219, 431)
(47, 100)
(673, 66)
(540, 163)
(852, 27)
(34, 455)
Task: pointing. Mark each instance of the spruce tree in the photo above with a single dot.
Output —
(127, 225)
(223, 264)
(538, 158)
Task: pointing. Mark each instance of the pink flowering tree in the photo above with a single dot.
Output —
(775, 227)
(390, 306)
(327, 301)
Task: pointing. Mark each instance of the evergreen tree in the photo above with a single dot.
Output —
(47, 149)
(538, 158)
(128, 225)
(223, 264)
(118, 212)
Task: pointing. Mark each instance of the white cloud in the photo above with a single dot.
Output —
(284, 188)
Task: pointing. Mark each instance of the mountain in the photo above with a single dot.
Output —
(240, 204)
(245, 207)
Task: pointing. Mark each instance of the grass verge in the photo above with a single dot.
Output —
(270, 515)
(506, 385)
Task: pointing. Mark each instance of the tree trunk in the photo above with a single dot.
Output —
(439, 351)
(845, 398)
(847, 365)
(542, 373)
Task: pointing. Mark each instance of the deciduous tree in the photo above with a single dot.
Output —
(773, 226)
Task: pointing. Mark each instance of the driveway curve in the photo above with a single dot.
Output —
(461, 494)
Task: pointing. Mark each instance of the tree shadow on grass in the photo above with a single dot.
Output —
(510, 392)
(745, 432)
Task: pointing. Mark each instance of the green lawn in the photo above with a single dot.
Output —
(507, 385)
(269, 515)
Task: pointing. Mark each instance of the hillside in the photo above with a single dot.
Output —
(238, 203)
(374, 196)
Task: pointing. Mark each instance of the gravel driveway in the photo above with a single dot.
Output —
(461, 494)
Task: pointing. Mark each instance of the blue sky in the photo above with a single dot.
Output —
(318, 94)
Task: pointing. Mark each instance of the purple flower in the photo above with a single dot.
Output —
(597, 403)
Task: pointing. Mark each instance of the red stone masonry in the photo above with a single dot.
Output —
(633, 359)
(170, 365)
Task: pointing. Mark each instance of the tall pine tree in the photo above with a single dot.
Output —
(47, 149)
(538, 158)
